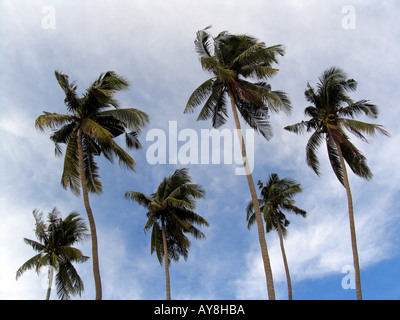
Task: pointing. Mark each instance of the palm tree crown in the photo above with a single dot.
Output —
(90, 115)
(170, 216)
(332, 112)
(232, 59)
(55, 250)
(276, 198)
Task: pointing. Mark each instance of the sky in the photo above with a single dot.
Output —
(151, 44)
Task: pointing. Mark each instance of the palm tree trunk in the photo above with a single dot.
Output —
(50, 282)
(352, 224)
(289, 282)
(260, 225)
(166, 262)
(95, 253)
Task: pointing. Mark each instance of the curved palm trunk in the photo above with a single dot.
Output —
(260, 225)
(166, 264)
(352, 224)
(289, 282)
(51, 269)
(95, 253)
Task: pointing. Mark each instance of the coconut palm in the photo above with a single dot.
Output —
(56, 252)
(333, 112)
(170, 216)
(89, 130)
(277, 198)
(233, 60)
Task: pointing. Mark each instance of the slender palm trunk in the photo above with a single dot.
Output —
(289, 282)
(95, 253)
(352, 224)
(260, 225)
(166, 263)
(51, 269)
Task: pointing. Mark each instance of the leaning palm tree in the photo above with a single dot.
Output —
(56, 252)
(89, 130)
(277, 198)
(170, 215)
(232, 59)
(333, 112)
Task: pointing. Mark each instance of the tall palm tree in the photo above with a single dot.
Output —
(333, 112)
(232, 59)
(277, 198)
(88, 130)
(170, 215)
(56, 252)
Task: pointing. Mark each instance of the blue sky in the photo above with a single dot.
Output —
(151, 44)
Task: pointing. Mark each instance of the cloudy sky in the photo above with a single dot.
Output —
(151, 44)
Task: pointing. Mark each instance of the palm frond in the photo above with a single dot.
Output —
(37, 246)
(52, 120)
(298, 128)
(133, 119)
(202, 43)
(199, 95)
(62, 136)
(70, 176)
(358, 108)
(335, 162)
(96, 131)
(359, 127)
(139, 197)
(357, 162)
(30, 264)
(72, 100)
(311, 148)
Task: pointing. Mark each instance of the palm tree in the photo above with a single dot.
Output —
(277, 197)
(332, 112)
(170, 215)
(231, 59)
(88, 130)
(55, 251)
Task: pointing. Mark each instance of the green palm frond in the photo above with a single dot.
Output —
(202, 43)
(360, 127)
(358, 108)
(32, 263)
(313, 143)
(133, 119)
(70, 176)
(199, 95)
(357, 162)
(335, 162)
(68, 281)
(72, 100)
(52, 120)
